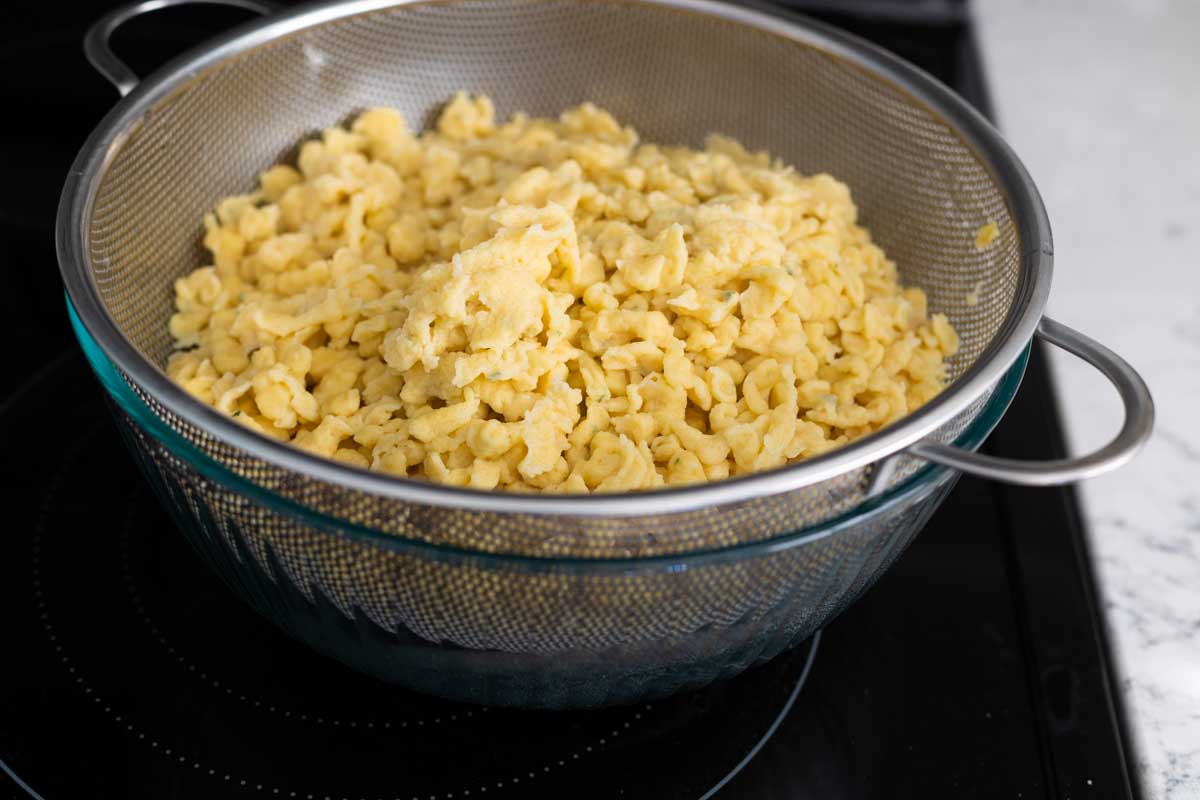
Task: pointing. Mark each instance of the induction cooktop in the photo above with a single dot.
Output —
(976, 667)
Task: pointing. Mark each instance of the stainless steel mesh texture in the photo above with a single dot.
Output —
(506, 632)
(676, 76)
(482, 629)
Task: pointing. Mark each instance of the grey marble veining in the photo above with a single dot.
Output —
(1101, 101)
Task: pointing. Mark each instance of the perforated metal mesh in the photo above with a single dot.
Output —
(514, 633)
(676, 75)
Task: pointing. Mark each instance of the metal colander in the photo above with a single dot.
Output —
(539, 600)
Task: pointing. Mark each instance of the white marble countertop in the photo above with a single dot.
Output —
(1102, 102)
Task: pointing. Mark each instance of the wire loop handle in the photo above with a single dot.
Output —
(118, 73)
(1139, 421)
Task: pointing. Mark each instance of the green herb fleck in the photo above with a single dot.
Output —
(729, 296)
(237, 413)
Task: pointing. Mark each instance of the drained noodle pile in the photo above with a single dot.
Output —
(550, 305)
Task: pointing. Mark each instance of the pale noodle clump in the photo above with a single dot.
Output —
(550, 305)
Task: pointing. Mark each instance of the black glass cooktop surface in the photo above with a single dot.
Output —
(976, 667)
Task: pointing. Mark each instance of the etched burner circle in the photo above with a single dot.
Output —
(196, 692)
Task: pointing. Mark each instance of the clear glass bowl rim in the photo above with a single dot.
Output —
(922, 480)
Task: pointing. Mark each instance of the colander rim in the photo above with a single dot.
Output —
(1019, 192)
(971, 438)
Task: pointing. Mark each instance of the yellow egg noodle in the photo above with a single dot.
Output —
(550, 305)
(986, 235)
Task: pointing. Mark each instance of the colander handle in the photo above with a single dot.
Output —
(101, 56)
(1139, 420)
